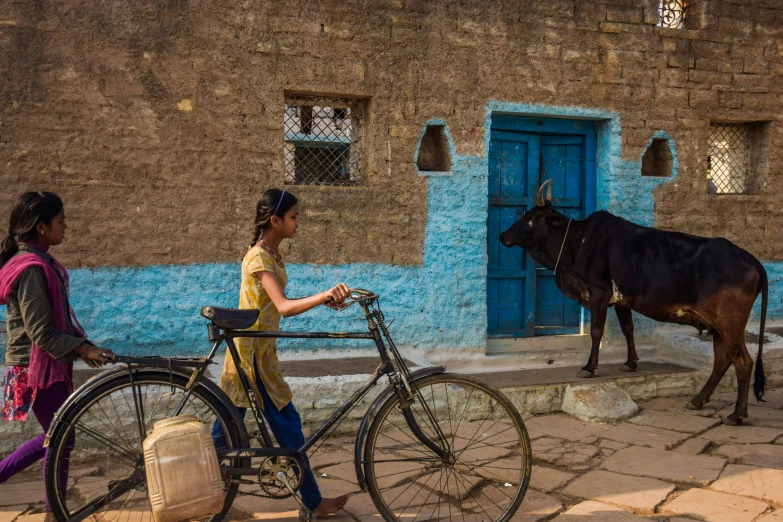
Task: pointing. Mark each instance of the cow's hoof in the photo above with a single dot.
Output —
(584, 374)
(692, 406)
(731, 420)
(626, 368)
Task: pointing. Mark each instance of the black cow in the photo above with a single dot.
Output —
(605, 261)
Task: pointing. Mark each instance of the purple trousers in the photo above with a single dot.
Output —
(46, 404)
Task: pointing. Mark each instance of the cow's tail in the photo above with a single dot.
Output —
(759, 379)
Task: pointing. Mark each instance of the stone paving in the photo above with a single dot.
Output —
(666, 463)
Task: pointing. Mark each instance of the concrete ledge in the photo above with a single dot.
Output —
(684, 345)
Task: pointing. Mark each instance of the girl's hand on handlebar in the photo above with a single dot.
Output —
(93, 356)
(336, 295)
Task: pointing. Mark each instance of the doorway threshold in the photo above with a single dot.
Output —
(542, 345)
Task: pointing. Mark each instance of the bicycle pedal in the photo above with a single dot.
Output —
(306, 515)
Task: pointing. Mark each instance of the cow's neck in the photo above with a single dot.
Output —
(557, 240)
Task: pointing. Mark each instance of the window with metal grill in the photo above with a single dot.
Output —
(738, 158)
(322, 141)
(728, 159)
(672, 13)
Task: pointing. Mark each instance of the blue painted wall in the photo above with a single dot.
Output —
(440, 304)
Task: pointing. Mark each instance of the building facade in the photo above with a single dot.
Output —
(411, 131)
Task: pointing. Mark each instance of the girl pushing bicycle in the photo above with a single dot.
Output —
(264, 279)
(44, 337)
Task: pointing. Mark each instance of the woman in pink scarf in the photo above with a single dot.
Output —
(44, 337)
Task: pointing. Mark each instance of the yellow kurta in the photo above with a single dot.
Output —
(253, 296)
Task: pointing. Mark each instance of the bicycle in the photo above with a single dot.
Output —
(432, 445)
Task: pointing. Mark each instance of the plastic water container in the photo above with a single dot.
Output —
(183, 475)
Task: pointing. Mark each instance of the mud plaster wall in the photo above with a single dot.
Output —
(91, 93)
(94, 92)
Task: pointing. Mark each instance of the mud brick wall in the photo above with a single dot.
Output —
(160, 123)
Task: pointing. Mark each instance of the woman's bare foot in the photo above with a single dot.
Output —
(49, 517)
(330, 506)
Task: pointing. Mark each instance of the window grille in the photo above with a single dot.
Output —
(729, 158)
(672, 13)
(322, 141)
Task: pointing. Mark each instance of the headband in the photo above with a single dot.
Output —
(278, 203)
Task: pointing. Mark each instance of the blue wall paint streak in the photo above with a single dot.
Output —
(440, 304)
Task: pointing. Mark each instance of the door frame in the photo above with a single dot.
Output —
(558, 126)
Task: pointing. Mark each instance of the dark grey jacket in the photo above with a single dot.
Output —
(29, 317)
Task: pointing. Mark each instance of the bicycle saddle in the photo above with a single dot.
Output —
(231, 318)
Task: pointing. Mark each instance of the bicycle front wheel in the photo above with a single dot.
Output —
(483, 472)
(95, 462)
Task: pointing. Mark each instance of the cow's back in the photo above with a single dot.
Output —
(651, 268)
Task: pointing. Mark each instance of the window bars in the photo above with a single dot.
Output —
(672, 14)
(322, 141)
(729, 158)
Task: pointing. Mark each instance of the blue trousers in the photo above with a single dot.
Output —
(286, 426)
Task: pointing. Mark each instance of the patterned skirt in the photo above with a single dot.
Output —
(19, 397)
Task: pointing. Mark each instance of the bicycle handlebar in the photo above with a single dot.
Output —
(362, 292)
(355, 295)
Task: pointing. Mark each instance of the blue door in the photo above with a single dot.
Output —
(513, 178)
(522, 297)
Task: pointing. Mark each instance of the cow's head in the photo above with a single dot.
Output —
(532, 229)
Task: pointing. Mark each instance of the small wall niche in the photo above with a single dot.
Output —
(434, 155)
(657, 160)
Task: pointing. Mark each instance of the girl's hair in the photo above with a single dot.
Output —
(30, 209)
(273, 202)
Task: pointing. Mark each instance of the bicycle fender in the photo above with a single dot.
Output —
(100, 378)
(361, 434)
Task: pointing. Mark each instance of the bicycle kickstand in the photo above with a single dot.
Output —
(305, 515)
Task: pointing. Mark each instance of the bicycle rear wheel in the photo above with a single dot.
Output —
(98, 442)
(485, 473)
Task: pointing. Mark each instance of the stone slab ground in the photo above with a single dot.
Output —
(583, 472)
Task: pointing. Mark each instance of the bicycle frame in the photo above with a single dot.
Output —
(399, 382)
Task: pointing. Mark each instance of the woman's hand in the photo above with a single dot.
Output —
(92, 355)
(336, 295)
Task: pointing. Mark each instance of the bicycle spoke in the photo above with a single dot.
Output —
(155, 408)
(448, 492)
(454, 436)
(421, 487)
(459, 497)
(428, 496)
(475, 434)
(451, 420)
(106, 442)
(123, 435)
(456, 475)
(404, 460)
(494, 435)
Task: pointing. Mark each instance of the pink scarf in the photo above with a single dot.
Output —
(44, 369)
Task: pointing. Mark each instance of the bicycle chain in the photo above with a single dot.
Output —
(249, 494)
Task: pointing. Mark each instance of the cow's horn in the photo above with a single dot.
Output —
(540, 198)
